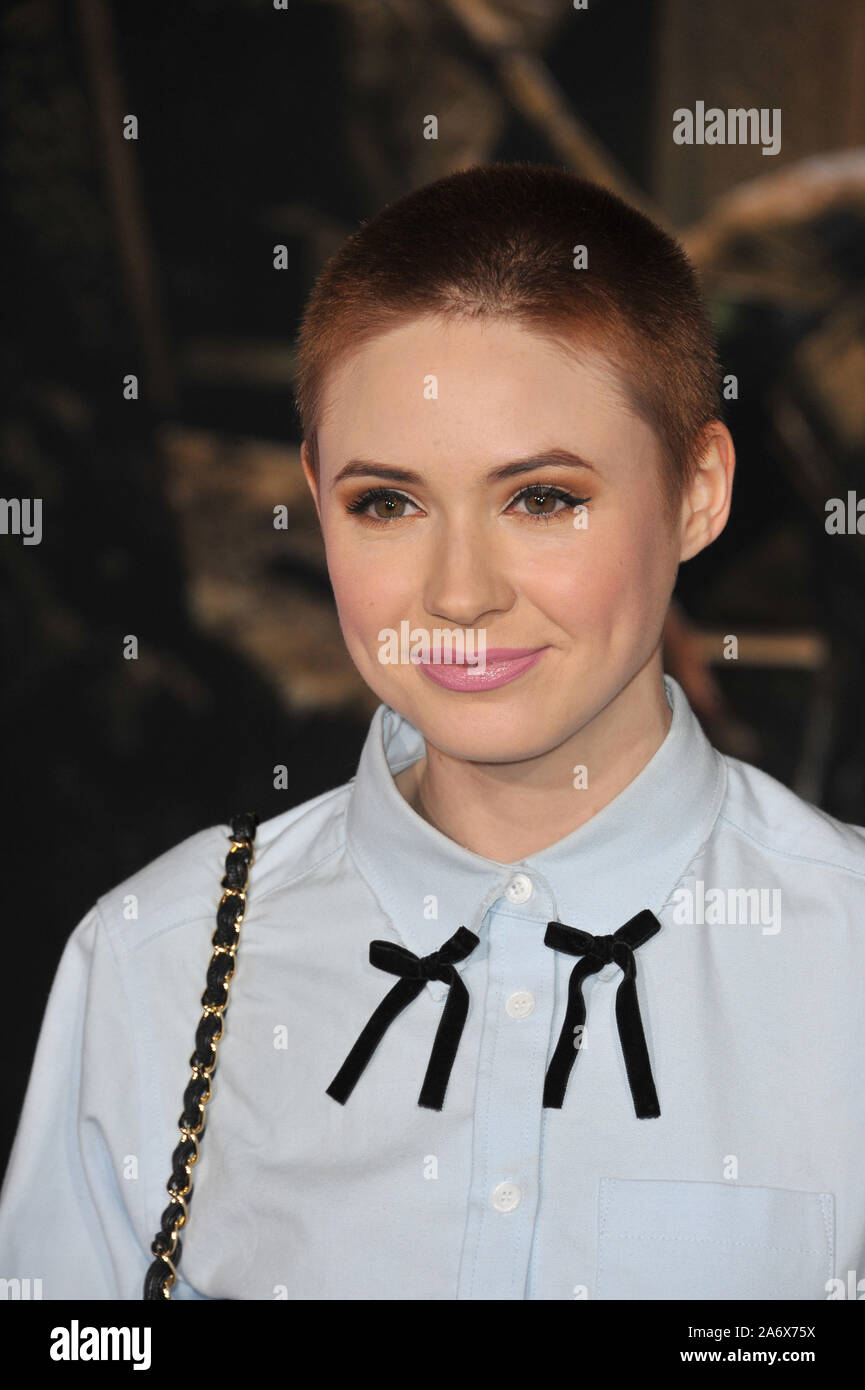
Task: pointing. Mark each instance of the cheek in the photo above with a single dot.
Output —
(372, 587)
(615, 583)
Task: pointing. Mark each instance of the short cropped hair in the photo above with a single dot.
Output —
(499, 241)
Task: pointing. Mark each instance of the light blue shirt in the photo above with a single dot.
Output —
(749, 1184)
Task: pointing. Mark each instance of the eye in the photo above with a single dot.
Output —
(388, 505)
(539, 497)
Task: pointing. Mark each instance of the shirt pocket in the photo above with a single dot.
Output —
(694, 1240)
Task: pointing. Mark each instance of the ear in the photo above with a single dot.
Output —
(706, 503)
(308, 473)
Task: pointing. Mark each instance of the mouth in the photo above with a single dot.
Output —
(501, 666)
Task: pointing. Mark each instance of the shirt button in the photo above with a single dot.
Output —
(506, 1196)
(520, 1004)
(520, 889)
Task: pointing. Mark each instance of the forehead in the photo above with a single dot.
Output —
(475, 388)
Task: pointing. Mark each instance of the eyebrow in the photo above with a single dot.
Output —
(560, 458)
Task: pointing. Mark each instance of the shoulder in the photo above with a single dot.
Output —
(182, 885)
(771, 816)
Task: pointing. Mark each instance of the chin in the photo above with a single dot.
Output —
(462, 729)
(495, 746)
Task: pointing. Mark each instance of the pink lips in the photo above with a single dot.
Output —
(503, 664)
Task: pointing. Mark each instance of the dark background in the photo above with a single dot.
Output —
(154, 256)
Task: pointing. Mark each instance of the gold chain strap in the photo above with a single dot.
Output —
(167, 1246)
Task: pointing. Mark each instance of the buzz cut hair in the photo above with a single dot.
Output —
(503, 241)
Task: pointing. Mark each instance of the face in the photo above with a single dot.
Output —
(443, 524)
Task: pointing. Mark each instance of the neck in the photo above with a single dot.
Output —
(508, 811)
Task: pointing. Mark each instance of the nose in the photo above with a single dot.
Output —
(466, 577)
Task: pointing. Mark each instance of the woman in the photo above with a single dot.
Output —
(551, 1000)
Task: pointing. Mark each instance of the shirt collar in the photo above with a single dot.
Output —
(629, 856)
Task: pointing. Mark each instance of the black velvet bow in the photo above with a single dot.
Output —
(598, 951)
(415, 971)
